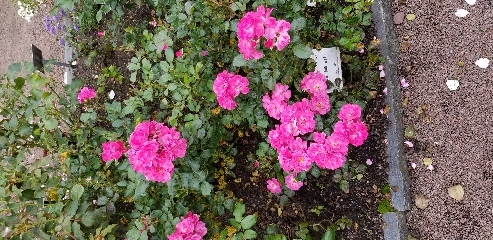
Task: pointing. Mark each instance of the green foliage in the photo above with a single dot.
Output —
(74, 194)
(350, 171)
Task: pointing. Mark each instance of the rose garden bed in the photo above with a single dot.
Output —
(203, 120)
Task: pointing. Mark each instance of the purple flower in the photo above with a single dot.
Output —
(61, 41)
(76, 28)
(56, 19)
(53, 31)
(47, 24)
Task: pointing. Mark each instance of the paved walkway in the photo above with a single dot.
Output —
(17, 35)
(457, 133)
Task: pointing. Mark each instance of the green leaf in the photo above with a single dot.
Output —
(250, 234)
(146, 64)
(50, 123)
(133, 234)
(88, 218)
(239, 61)
(302, 51)
(239, 211)
(206, 188)
(235, 224)
(248, 221)
(330, 234)
(99, 15)
(170, 55)
(77, 191)
(19, 83)
(298, 24)
(78, 234)
(13, 70)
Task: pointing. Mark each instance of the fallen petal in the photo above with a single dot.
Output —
(413, 165)
(385, 91)
(369, 162)
(380, 67)
(111, 94)
(404, 84)
(461, 13)
(482, 62)
(382, 74)
(471, 2)
(409, 144)
(452, 84)
(430, 167)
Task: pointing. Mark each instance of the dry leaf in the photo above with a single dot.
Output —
(456, 192)
(409, 131)
(405, 45)
(386, 109)
(427, 161)
(399, 18)
(461, 13)
(421, 201)
(410, 17)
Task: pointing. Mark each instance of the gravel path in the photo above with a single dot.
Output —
(458, 134)
(17, 35)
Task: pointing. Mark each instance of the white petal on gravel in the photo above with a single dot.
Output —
(452, 84)
(483, 62)
(413, 165)
(409, 144)
(111, 94)
(471, 2)
(461, 13)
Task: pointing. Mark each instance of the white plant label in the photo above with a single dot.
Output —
(311, 3)
(328, 62)
(452, 84)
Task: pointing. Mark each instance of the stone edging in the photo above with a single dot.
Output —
(395, 227)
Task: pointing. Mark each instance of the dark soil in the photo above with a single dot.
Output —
(359, 205)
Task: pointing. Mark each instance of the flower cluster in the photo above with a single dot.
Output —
(189, 228)
(255, 25)
(227, 87)
(86, 94)
(328, 152)
(55, 24)
(26, 11)
(153, 148)
(113, 150)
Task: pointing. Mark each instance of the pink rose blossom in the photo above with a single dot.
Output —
(153, 148)
(112, 150)
(350, 113)
(314, 83)
(164, 47)
(153, 23)
(274, 186)
(100, 33)
(189, 228)
(179, 54)
(204, 53)
(292, 183)
(227, 86)
(86, 94)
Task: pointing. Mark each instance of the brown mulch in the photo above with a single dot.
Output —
(457, 131)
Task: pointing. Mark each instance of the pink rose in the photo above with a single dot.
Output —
(86, 94)
(113, 150)
(292, 183)
(274, 186)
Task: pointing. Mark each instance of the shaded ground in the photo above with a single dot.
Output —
(456, 134)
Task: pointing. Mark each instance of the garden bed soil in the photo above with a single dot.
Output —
(359, 205)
